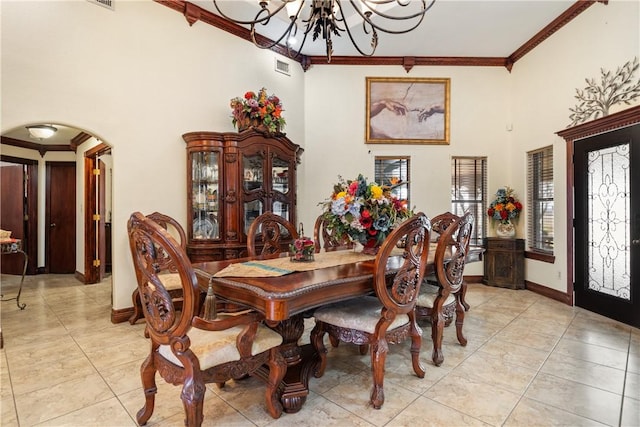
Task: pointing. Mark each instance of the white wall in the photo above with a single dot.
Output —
(544, 85)
(140, 77)
(335, 136)
(137, 78)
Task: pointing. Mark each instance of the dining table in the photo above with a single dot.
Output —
(286, 292)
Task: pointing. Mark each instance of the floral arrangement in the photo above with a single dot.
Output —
(266, 109)
(505, 207)
(302, 249)
(366, 212)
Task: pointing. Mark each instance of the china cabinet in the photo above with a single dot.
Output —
(232, 178)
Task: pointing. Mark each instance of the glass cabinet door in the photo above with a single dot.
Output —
(252, 210)
(280, 175)
(252, 172)
(204, 195)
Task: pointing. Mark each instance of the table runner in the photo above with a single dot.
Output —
(282, 266)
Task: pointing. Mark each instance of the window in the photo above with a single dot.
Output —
(469, 192)
(540, 199)
(394, 172)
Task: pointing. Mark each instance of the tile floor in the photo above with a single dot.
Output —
(529, 361)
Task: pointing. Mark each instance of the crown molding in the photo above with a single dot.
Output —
(40, 148)
(194, 13)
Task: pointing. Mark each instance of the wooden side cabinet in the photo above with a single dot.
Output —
(504, 262)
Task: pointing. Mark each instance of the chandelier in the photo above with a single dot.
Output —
(327, 18)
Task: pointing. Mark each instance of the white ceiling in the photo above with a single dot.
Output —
(453, 28)
(457, 28)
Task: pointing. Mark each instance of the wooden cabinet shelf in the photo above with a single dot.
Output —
(232, 178)
(504, 262)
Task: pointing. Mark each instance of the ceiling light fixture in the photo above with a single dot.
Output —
(41, 131)
(324, 18)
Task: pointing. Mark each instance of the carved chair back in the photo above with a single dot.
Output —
(154, 250)
(327, 239)
(398, 291)
(451, 252)
(272, 231)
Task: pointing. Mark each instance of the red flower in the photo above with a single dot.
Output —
(490, 211)
(366, 220)
(504, 214)
(249, 95)
(518, 206)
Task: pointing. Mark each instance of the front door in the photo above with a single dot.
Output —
(61, 218)
(607, 224)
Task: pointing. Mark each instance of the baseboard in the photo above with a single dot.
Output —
(563, 297)
(79, 276)
(473, 279)
(120, 316)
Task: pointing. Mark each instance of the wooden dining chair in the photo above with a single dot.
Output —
(172, 281)
(272, 232)
(185, 348)
(387, 317)
(449, 262)
(327, 239)
(430, 289)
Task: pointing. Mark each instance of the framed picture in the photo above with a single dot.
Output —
(407, 110)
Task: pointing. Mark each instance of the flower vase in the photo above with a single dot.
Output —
(506, 230)
(371, 247)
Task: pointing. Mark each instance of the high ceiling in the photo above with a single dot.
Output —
(457, 28)
(451, 28)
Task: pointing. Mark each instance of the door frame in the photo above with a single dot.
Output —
(30, 244)
(92, 272)
(608, 123)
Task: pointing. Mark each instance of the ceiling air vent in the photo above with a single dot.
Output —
(282, 67)
(109, 4)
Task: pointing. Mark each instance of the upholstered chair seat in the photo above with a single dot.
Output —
(362, 317)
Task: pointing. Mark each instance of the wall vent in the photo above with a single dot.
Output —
(109, 4)
(282, 67)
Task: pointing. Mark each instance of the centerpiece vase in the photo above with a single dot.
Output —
(506, 230)
(371, 247)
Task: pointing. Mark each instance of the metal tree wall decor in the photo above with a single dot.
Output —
(614, 88)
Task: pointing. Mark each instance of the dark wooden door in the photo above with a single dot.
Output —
(60, 246)
(12, 212)
(607, 224)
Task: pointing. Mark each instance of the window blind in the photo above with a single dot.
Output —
(394, 169)
(469, 192)
(540, 195)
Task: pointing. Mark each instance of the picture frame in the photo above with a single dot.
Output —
(407, 110)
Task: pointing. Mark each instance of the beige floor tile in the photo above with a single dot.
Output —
(426, 412)
(319, 411)
(482, 367)
(515, 354)
(353, 395)
(525, 335)
(123, 378)
(106, 413)
(584, 372)
(486, 402)
(167, 402)
(606, 335)
(531, 413)
(630, 413)
(8, 415)
(579, 399)
(632, 386)
(633, 364)
(51, 402)
(591, 353)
